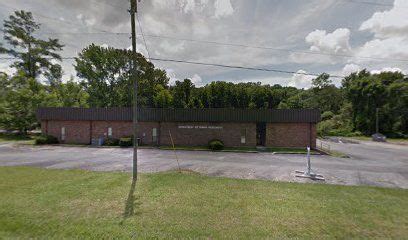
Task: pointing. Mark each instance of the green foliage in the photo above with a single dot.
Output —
(163, 97)
(111, 142)
(70, 94)
(45, 139)
(32, 54)
(23, 96)
(327, 115)
(216, 145)
(126, 142)
(325, 127)
(106, 76)
(386, 91)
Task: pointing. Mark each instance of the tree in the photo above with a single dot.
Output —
(34, 56)
(106, 77)
(182, 93)
(69, 94)
(163, 97)
(24, 96)
(326, 96)
(386, 91)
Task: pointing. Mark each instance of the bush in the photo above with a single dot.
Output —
(216, 145)
(125, 142)
(324, 127)
(111, 142)
(46, 139)
(327, 115)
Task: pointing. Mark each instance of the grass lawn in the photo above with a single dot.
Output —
(390, 140)
(39, 203)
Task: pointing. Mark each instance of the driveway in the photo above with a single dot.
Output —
(369, 164)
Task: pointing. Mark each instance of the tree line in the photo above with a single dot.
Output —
(104, 80)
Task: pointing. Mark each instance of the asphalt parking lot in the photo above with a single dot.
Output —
(384, 165)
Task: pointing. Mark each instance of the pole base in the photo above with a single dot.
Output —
(310, 175)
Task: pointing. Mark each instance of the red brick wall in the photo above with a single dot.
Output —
(124, 129)
(230, 133)
(290, 135)
(75, 131)
(277, 134)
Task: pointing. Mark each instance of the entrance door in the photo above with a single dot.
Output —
(260, 134)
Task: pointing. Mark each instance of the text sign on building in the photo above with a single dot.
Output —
(200, 127)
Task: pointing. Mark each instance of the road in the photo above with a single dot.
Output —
(369, 164)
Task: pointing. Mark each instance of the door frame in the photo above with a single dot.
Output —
(261, 133)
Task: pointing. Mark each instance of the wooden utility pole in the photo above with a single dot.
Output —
(133, 11)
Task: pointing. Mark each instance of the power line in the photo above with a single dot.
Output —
(240, 67)
(213, 65)
(274, 49)
(236, 45)
(216, 65)
(371, 3)
(141, 31)
(215, 42)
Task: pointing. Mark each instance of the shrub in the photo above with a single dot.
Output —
(216, 145)
(111, 142)
(45, 139)
(125, 142)
(324, 127)
(327, 115)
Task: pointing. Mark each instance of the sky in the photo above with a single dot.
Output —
(300, 36)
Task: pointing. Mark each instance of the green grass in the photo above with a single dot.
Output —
(389, 140)
(9, 137)
(289, 150)
(39, 203)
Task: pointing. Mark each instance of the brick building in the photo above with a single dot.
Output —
(188, 127)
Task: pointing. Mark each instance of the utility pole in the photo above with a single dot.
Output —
(133, 11)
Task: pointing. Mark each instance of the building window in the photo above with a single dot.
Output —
(110, 132)
(63, 134)
(154, 135)
(243, 136)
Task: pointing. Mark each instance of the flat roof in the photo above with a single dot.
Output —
(181, 115)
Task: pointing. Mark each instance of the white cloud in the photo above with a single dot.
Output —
(172, 48)
(187, 6)
(196, 79)
(395, 47)
(387, 69)
(87, 21)
(335, 42)
(105, 45)
(389, 23)
(350, 68)
(301, 80)
(172, 76)
(5, 67)
(223, 8)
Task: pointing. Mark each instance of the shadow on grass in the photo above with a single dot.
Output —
(132, 202)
